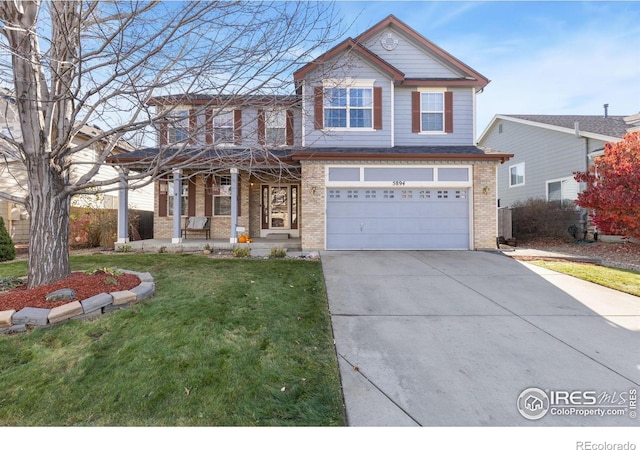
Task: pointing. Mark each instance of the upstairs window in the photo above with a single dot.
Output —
(276, 127)
(348, 107)
(432, 111)
(178, 127)
(223, 127)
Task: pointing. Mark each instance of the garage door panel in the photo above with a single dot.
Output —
(397, 219)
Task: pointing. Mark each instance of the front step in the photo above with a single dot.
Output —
(277, 236)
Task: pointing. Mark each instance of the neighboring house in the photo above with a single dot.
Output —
(13, 177)
(375, 151)
(547, 150)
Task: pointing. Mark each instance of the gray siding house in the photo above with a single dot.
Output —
(547, 150)
(379, 144)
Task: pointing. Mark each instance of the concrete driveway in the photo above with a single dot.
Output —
(437, 338)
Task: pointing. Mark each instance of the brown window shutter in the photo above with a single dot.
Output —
(448, 112)
(164, 138)
(237, 126)
(318, 112)
(289, 130)
(377, 108)
(191, 198)
(415, 112)
(193, 125)
(208, 117)
(163, 190)
(261, 130)
(208, 195)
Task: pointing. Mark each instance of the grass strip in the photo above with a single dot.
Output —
(621, 280)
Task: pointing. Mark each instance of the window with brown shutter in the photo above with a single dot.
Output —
(163, 133)
(415, 112)
(448, 112)
(191, 198)
(237, 126)
(163, 189)
(290, 138)
(208, 195)
(208, 117)
(261, 129)
(377, 108)
(193, 125)
(318, 106)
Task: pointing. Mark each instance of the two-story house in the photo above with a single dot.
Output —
(375, 151)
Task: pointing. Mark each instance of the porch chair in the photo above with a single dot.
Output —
(197, 224)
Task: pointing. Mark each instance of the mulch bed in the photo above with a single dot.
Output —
(85, 286)
(623, 255)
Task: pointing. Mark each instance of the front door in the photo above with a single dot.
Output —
(279, 209)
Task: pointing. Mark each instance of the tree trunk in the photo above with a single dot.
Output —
(49, 209)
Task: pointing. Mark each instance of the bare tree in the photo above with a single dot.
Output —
(74, 63)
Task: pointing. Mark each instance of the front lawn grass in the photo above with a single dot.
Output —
(621, 280)
(221, 343)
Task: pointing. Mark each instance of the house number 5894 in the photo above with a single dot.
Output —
(398, 183)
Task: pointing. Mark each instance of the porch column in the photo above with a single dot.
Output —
(234, 206)
(177, 207)
(123, 208)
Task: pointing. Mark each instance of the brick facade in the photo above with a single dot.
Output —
(483, 195)
(485, 211)
(312, 229)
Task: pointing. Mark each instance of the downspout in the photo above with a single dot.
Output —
(584, 217)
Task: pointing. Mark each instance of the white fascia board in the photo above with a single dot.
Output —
(489, 127)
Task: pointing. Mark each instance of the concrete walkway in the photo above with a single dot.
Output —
(453, 338)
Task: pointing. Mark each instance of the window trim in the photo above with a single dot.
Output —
(562, 182)
(267, 115)
(521, 164)
(217, 114)
(179, 121)
(441, 92)
(348, 84)
(184, 197)
(216, 186)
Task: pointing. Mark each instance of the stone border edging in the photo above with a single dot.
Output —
(92, 307)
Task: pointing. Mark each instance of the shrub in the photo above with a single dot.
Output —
(7, 248)
(8, 283)
(278, 252)
(535, 218)
(241, 252)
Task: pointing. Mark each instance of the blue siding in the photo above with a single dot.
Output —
(547, 154)
(357, 69)
(411, 60)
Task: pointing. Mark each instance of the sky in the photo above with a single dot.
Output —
(548, 57)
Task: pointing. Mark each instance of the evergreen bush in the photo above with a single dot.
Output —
(7, 248)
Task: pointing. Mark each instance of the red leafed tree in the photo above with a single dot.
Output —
(613, 188)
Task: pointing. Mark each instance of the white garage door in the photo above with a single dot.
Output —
(394, 219)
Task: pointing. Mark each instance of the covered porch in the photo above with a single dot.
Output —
(262, 203)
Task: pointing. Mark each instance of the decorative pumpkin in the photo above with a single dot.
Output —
(242, 238)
